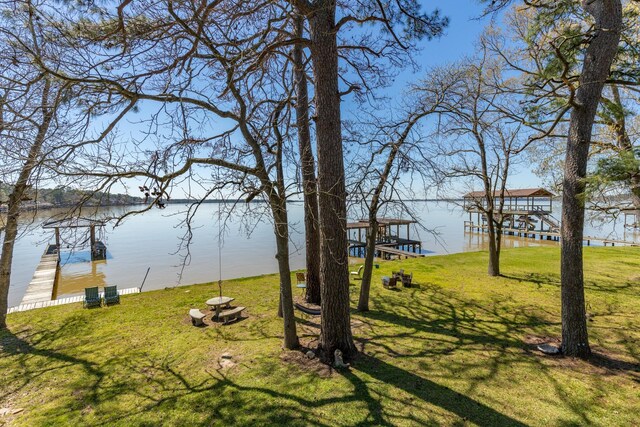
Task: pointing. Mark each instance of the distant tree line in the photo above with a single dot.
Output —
(63, 197)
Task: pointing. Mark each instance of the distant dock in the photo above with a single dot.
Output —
(44, 279)
(389, 244)
(526, 213)
(546, 235)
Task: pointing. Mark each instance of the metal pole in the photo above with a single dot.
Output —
(144, 280)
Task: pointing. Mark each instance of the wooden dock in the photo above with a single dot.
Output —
(39, 293)
(388, 243)
(388, 249)
(548, 235)
(62, 301)
(397, 252)
(41, 287)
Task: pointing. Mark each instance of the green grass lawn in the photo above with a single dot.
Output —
(457, 350)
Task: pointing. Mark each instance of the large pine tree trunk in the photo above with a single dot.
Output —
(279, 209)
(363, 301)
(597, 62)
(334, 270)
(307, 161)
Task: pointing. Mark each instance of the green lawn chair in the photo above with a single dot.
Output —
(111, 295)
(91, 297)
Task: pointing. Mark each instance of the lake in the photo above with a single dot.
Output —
(155, 240)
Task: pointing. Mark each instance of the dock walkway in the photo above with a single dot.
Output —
(40, 288)
(62, 301)
(398, 252)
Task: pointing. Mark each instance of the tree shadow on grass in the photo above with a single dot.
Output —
(218, 398)
(442, 320)
(28, 348)
(160, 386)
(553, 279)
(428, 391)
(535, 278)
(446, 322)
(435, 311)
(215, 398)
(613, 363)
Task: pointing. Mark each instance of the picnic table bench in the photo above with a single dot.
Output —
(231, 314)
(196, 317)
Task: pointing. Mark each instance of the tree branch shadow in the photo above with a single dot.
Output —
(428, 391)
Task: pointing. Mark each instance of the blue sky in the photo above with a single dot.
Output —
(465, 26)
(458, 41)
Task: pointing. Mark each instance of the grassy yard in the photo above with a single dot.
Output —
(457, 350)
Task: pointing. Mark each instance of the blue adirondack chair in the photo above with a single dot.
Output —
(91, 297)
(111, 295)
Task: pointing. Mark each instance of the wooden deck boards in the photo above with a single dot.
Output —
(40, 288)
(398, 252)
(61, 301)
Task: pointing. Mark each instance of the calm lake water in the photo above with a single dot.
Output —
(153, 240)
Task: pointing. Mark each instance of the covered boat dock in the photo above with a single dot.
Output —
(525, 210)
(392, 239)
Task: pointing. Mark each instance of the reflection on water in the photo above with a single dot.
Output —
(480, 242)
(77, 276)
(68, 258)
(248, 247)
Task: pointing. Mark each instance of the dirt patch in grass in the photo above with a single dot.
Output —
(602, 361)
(533, 341)
(313, 365)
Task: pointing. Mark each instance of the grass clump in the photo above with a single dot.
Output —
(456, 350)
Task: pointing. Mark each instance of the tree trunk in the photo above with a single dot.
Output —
(597, 62)
(494, 254)
(334, 269)
(281, 225)
(498, 231)
(15, 200)
(493, 268)
(10, 234)
(363, 302)
(307, 161)
(634, 186)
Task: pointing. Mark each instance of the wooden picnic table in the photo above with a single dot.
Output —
(217, 303)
